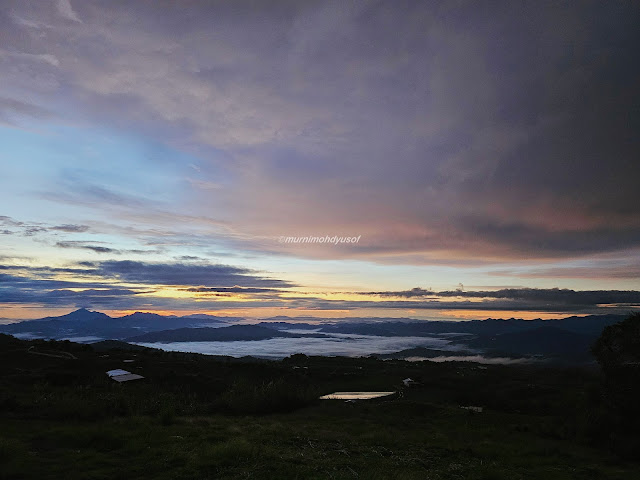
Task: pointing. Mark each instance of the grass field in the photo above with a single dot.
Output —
(201, 417)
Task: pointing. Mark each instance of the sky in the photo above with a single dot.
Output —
(428, 160)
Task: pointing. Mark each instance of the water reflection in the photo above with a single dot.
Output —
(355, 395)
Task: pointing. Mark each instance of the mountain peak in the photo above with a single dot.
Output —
(142, 315)
(83, 314)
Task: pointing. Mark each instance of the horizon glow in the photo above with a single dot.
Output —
(468, 148)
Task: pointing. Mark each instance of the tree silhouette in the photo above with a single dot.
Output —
(618, 353)
(618, 348)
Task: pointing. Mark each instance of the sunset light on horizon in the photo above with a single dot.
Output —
(319, 160)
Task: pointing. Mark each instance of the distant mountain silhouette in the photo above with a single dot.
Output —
(289, 325)
(85, 323)
(545, 340)
(80, 315)
(590, 325)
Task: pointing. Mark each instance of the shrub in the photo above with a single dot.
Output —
(618, 353)
(266, 397)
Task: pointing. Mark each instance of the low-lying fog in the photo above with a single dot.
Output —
(347, 345)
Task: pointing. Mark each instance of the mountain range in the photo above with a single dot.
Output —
(571, 336)
(87, 323)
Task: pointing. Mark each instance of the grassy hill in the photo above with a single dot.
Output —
(195, 416)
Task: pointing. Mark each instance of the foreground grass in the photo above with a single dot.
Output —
(335, 441)
(193, 417)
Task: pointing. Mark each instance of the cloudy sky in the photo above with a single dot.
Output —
(155, 154)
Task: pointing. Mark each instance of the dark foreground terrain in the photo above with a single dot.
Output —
(196, 416)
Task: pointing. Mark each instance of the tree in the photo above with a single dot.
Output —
(618, 348)
(618, 353)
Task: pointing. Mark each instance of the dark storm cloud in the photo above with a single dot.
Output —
(199, 277)
(443, 129)
(40, 285)
(69, 297)
(555, 298)
(186, 274)
(534, 149)
(527, 239)
(26, 290)
(21, 289)
(34, 286)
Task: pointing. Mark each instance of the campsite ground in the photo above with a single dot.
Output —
(201, 417)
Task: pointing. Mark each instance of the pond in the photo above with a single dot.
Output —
(355, 395)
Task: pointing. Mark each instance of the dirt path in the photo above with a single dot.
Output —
(58, 354)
